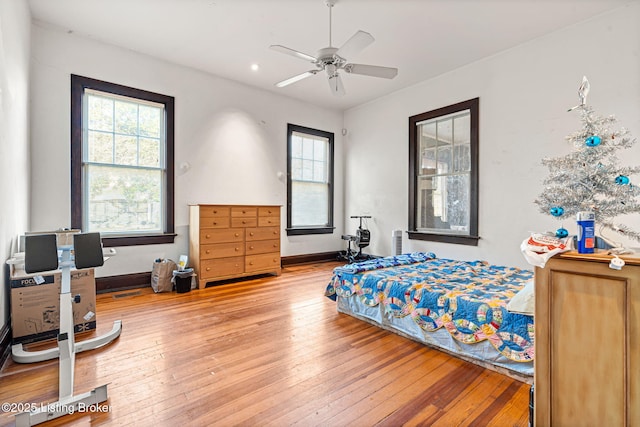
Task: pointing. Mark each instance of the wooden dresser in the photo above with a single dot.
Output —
(229, 241)
(587, 335)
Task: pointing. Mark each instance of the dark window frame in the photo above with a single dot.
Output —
(472, 238)
(327, 229)
(78, 86)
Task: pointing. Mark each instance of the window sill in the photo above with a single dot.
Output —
(151, 239)
(309, 230)
(444, 238)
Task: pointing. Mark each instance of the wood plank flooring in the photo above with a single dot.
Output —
(271, 351)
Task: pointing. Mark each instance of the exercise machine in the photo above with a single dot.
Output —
(42, 254)
(361, 240)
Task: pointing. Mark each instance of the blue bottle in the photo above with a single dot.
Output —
(586, 232)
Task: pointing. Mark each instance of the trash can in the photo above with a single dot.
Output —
(182, 280)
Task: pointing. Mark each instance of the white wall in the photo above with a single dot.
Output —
(14, 132)
(524, 96)
(233, 137)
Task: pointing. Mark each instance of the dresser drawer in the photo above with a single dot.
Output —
(244, 222)
(269, 211)
(262, 246)
(211, 268)
(214, 211)
(221, 250)
(263, 233)
(244, 211)
(262, 262)
(215, 222)
(221, 236)
(269, 221)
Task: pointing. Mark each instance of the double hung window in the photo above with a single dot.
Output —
(309, 181)
(122, 163)
(443, 174)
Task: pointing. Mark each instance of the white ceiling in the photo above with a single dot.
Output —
(422, 38)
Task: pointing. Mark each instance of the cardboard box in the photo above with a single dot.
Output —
(35, 304)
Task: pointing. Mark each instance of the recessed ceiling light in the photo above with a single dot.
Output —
(255, 67)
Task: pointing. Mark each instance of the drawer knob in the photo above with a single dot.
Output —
(215, 211)
(237, 249)
(215, 223)
(251, 234)
(237, 234)
(244, 211)
(250, 262)
(208, 251)
(244, 222)
(275, 232)
(208, 236)
(275, 245)
(251, 247)
(208, 268)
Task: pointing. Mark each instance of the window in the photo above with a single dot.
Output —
(121, 163)
(443, 174)
(309, 181)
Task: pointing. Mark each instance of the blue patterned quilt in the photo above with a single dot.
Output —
(467, 298)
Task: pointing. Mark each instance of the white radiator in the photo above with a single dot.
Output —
(396, 242)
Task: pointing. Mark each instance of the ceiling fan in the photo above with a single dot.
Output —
(331, 59)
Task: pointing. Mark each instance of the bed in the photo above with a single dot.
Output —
(457, 306)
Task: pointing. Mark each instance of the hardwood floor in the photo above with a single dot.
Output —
(266, 352)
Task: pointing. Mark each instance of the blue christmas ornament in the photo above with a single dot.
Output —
(622, 180)
(593, 141)
(556, 211)
(562, 233)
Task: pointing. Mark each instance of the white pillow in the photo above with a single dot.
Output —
(524, 301)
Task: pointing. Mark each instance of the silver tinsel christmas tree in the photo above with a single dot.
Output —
(590, 178)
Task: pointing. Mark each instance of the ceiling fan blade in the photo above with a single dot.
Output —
(287, 51)
(296, 78)
(371, 70)
(355, 44)
(336, 86)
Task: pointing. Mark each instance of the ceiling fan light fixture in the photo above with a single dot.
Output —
(331, 70)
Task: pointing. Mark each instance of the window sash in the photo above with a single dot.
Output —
(90, 223)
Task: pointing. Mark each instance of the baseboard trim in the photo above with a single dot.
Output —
(309, 258)
(143, 280)
(122, 282)
(5, 343)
